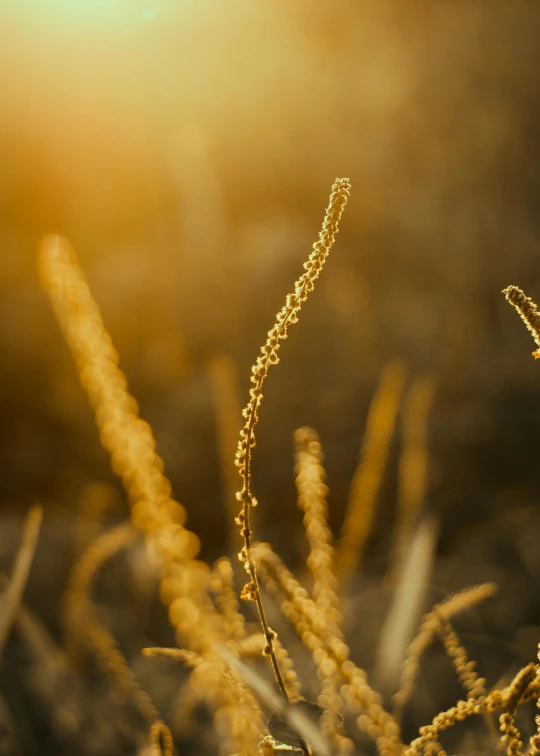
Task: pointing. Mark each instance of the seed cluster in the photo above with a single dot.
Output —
(527, 310)
(287, 316)
(524, 687)
(312, 491)
(467, 675)
(430, 627)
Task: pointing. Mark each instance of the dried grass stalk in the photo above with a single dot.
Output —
(287, 316)
(402, 618)
(237, 716)
(161, 740)
(222, 584)
(431, 625)
(12, 596)
(129, 440)
(528, 312)
(312, 490)
(413, 466)
(524, 687)
(304, 726)
(84, 628)
(465, 669)
(330, 653)
(77, 600)
(370, 471)
(535, 739)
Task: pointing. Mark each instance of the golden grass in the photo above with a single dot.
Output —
(213, 636)
(13, 594)
(312, 491)
(129, 440)
(369, 474)
(77, 601)
(330, 652)
(287, 316)
(432, 624)
(222, 585)
(524, 687)
(84, 628)
(413, 465)
(528, 311)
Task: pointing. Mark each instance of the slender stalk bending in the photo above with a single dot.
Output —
(268, 356)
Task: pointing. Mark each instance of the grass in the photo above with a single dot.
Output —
(215, 642)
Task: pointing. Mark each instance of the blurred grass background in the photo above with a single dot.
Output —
(187, 149)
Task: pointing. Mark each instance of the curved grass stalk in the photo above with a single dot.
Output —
(129, 440)
(413, 468)
(269, 356)
(431, 625)
(524, 687)
(23, 563)
(369, 473)
(77, 597)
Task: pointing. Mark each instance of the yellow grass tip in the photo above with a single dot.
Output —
(528, 311)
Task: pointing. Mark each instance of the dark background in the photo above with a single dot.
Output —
(187, 149)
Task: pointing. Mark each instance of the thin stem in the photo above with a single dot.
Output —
(21, 571)
(268, 633)
(268, 356)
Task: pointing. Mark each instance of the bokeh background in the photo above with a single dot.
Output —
(187, 149)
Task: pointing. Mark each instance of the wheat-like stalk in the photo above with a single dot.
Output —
(222, 585)
(213, 681)
(465, 669)
(235, 627)
(12, 597)
(369, 473)
(527, 310)
(524, 687)
(330, 653)
(513, 696)
(430, 626)
(161, 740)
(128, 438)
(111, 659)
(312, 490)
(535, 739)
(287, 316)
(84, 628)
(77, 599)
(413, 465)
(130, 442)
